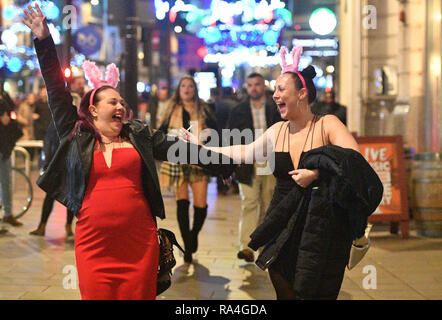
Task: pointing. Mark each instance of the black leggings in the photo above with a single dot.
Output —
(48, 204)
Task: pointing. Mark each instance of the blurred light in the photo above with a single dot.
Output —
(9, 38)
(30, 64)
(55, 34)
(178, 29)
(438, 16)
(330, 69)
(161, 8)
(95, 2)
(13, 115)
(202, 52)
(172, 16)
(10, 12)
(435, 65)
(2, 62)
(141, 55)
(50, 10)
(285, 14)
(319, 71)
(75, 71)
(14, 64)
(141, 87)
(20, 83)
(270, 37)
(67, 72)
(322, 21)
(298, 27)
(6, 86)
(304, 61)
(329, 81)
(321, 83)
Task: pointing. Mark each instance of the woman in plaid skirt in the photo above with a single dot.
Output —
(187, 109)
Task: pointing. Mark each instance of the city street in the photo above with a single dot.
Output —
(42, 267)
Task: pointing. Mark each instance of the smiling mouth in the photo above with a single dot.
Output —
(117, 117)
(281, 106)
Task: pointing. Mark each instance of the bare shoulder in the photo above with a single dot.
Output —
(331, 120)
(337, 133)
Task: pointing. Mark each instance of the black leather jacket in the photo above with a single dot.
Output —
(67, 175)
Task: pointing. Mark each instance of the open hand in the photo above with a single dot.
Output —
(304, 177)
(36, 21)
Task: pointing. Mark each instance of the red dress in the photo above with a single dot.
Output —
(116, 243)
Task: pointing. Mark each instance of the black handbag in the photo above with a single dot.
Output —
(167, 260)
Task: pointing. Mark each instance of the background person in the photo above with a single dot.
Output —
(24, 117)
(186, 108)
(329, 105)
(255, 113)
(10, 132)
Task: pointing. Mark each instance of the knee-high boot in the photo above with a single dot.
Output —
(183, 223)
(199, 217)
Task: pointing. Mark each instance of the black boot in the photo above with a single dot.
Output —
(199, 217)
(183, 223)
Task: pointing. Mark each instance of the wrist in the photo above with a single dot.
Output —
(316, 173)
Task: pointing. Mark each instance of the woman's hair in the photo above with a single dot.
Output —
(175, 100)
(308, 74)
(85, 116)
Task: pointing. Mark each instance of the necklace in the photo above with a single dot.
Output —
(112, 140)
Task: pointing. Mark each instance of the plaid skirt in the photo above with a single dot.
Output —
(174, 175)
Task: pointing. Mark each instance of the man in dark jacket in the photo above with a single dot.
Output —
(331, 106)
(256, 114)
(10, 132)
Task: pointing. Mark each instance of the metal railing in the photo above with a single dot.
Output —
(20, 149)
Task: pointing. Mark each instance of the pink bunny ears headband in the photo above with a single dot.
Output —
(94, 76)
(296, 55)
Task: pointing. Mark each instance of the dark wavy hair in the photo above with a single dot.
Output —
(308, 74)
(85, 117)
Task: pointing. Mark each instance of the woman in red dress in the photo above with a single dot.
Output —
(116, 246)
(104, 172)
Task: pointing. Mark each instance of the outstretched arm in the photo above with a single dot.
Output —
(257, 151)
(64, 113)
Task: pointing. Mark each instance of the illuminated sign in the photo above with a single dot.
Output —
(322, 21)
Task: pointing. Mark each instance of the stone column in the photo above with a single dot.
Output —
(350, 62)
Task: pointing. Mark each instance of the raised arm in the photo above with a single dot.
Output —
(64, 113)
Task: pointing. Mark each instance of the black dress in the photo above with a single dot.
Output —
(285, 263)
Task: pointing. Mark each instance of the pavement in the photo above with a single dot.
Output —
(43, 268)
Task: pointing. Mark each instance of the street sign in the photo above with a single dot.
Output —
(87, 40)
